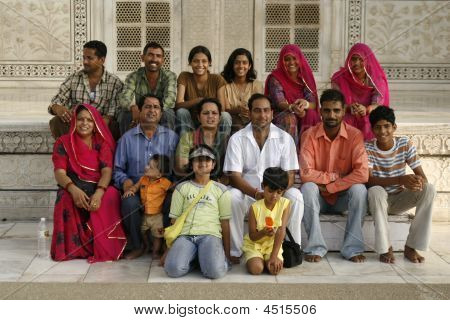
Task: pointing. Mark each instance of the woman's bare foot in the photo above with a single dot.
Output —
(387, 257)
(358, 258)
(136, 253)
(312, 258)
(412, 255)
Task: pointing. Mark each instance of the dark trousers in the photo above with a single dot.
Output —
(132, 219)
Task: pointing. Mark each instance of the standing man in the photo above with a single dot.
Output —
(150, 78)
(250, 151)
(93, 85)
(133, 153)
(334, 169)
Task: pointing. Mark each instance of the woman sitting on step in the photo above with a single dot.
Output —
(86, 215)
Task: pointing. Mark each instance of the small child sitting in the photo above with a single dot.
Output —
(267, 221)
(153, 188)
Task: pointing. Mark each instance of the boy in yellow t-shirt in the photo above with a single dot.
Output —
(267, 221)
(153, 188)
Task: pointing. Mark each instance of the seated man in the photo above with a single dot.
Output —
(133, 153)
(93, 85)
(150, 78)
(393, 190)
(260, 145)
(333, 171)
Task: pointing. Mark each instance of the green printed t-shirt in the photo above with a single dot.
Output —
(204, 218)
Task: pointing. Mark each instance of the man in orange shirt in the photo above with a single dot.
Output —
(334, 168)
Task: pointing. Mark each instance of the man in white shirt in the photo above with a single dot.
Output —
(250, 151)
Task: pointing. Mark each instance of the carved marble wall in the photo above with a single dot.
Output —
(41, 39)
(410, 38)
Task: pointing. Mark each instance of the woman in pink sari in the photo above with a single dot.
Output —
(292, 89)
(364, 85)
(86, 216)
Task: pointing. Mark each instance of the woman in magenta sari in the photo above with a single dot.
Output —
(364, 85)
(86, 216)
(292, 89)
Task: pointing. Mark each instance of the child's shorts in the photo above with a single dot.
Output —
(253, 253)
(154, 223)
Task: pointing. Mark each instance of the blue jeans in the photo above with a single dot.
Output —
(354, 200)
(209, 249)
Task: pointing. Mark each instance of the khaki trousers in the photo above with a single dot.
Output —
(382, 204)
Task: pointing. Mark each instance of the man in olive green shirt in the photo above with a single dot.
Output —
(149, 79)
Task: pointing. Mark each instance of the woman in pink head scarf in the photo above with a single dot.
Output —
(87, 220)
(292, 89)
(364, 85)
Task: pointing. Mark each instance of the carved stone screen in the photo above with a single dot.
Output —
(139, 22)
(291, 21)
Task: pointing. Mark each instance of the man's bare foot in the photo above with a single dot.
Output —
(412, 255)
(136, 253)
(358, 258)
(312, 258)
(387, 257)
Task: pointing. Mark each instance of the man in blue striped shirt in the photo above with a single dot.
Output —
(133, 153)
(393, 191)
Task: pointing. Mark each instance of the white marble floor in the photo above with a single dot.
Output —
(19, 263)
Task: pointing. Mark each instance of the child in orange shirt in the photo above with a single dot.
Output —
(153, 188)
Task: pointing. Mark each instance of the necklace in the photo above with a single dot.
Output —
(240, 90)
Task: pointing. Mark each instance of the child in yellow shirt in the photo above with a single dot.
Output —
(153, 188)
(267, 221)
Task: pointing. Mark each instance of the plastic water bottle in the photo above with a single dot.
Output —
(43, 239)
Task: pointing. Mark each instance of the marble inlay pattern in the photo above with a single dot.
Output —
(26, 142)
(407, 36)
(27, 172)
(42, 39)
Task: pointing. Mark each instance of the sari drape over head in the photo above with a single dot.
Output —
(77, 233)
(356, 91)
(294, 89)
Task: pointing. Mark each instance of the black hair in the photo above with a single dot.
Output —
(140, 101)
(382, 113)
(199, 49)
(257, 96)
(332, 95)
(228, 69)
(153, 44)
(163, 162)
(98, 46)
(199, 106)
(79, 108)
(275, 178)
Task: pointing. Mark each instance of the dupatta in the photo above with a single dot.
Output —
(353, 89)
(85, 162)
(294, 89)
